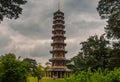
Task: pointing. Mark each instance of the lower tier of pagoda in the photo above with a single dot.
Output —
(57, 59)
(54, 51)
(58, 69)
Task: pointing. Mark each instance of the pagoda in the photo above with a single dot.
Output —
(58, 68)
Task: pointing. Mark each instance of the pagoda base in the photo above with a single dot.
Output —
(58, 73)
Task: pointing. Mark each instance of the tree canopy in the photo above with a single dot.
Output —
(11, 8)
(110, 9)
(113, 27)
(94, 53)
(34, 68)
(107, 8)
(13, 70)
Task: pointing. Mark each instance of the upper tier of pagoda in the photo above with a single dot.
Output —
(58, 36)
(59, 13)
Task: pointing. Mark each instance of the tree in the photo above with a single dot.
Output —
(40, 70)
(94, 53)
(106, 8)
(1, 70)
(11, 8)
(97, 50)
(113, 27)
(115, 56)
(110, 9)
(12, 70)
(32, 64)
(36, 70)
(77, 63)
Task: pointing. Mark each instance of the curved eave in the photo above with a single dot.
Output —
(55, 17)
(54, 51)
(59, 69)
(57, 21)
(57, 59)
(58, 43)
(59, 37)
(58, 12)
(58, 26)
(56, 69)
(58, 30)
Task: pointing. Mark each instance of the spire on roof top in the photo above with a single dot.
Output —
(59, 6)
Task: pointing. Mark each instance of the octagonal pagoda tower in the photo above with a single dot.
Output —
(58, 68)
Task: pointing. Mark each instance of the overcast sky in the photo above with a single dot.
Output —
(30, 35)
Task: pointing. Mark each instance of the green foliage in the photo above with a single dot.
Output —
(34, 69)
(115, 56)
(31, 65)
(94, 53)
(110, 9)
(40, 70)
(96, 76)
(106, 8)
(12, 70)
(113, 27)
(11, 8)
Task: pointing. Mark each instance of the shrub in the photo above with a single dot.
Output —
(96, 76)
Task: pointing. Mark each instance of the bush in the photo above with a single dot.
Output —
(96, 76)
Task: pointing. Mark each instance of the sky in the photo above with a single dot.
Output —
(30, 35)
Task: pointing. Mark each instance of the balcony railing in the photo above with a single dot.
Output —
(58, 58)
(59, 19)
(59, 67)
(59, 41)
(58, 29)
(56, 26)
(59, 49)
(54, 37)
(59, 35)
(57, 22)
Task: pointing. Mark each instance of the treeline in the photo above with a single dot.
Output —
(13, 69)
(101, 51)
(99, 58)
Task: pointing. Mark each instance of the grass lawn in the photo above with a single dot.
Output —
(32, 79)
(51, 80)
